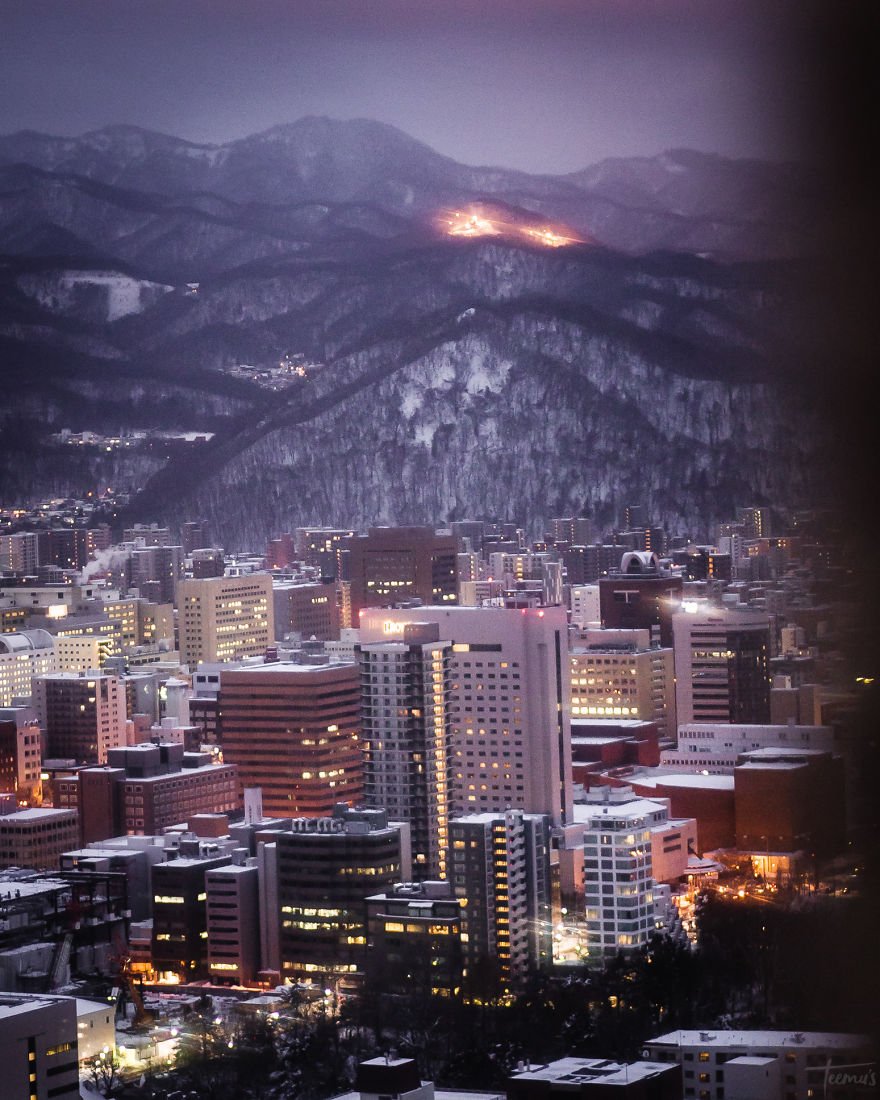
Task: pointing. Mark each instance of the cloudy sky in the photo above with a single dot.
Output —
(543, 85)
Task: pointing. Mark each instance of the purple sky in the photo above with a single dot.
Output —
(542, 85)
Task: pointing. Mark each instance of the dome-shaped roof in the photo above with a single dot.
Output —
(639, 561)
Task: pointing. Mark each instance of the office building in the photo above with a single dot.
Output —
(24, 655)
(144, 789)
(179, 943)
(225, 618)
(640, 594)
(38, 1047)
(323, 548)
(233, 922)
(20, 755)
(619, 674)
(789, 800)
(294, 730)
(414, 935)
(306, 608)
(12, 619)
(208, 561)
(327, 867)
(405, 687)
(510, 738)
(36, 837)
(100, 632)
(717, 747)
(83, 714)
(500, 863)
(721, 665)
(394, 564)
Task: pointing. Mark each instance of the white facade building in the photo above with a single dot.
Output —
(585, 607)
(619, 885)
(22, 656)
(509, 700)
(715, 747)
(766, 1065)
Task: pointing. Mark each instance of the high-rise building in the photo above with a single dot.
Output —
(156, 572)
(280, 552)
(323, 548)
(585, 606)
(327, 867)
(66, 547)
(294, 730)
(500, 862)
(510, 710)
(306, 608)
(147, 534)
(20, 553)
(406, 727)
(755, 522)
(22, 656)
(393, 564)
(195, 536)
(179, 944)
(83, 714)
(208, 561)
(618, 871)
(721, 665)
(224, 618)
(36, 837)
(575, 530)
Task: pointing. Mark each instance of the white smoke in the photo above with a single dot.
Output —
(102, 562)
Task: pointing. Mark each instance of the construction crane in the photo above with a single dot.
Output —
(125, 975)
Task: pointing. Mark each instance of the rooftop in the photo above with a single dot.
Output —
(683, 779)
(793, 1039)
(577, 1070)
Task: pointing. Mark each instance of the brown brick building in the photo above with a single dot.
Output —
(146, 788)
(294, 730)
(392, 564)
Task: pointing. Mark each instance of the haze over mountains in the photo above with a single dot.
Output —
(460, 360)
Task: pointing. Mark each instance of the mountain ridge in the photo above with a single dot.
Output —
(473, 338)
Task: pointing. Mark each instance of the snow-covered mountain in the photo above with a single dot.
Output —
(449, 373)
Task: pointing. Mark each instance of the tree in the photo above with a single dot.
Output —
(104, 1072)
